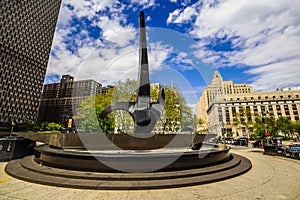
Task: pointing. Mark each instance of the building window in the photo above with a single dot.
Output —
(286, 110)
(220, 114)
(227, 115)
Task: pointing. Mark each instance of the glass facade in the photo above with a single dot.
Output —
(26, 33)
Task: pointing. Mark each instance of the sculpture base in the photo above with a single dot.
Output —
(27, 169)
(179, 163)
(131, 160)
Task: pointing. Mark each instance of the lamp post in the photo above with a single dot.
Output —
(34, 124)
(223, 133)
(264, 112)
(12, 127)
(208, 126)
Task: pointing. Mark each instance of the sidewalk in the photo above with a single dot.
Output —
(271, 177)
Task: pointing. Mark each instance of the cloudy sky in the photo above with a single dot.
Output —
(249, 41)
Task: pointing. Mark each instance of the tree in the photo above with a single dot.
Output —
(198, 122)
(124, 92)
(90, 110)
(54, 127)
(176, 115)
(297, 129)
(51, 126)
(285, 125)
(259, 129)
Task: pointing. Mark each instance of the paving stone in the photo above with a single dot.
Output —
(271, 177)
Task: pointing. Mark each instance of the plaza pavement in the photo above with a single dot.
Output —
(271, 177)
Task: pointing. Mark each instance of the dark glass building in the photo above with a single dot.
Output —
(26, 33)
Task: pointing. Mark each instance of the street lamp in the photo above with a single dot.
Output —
(208, 126)
(223, 133)
(12, 127)
(264, 112)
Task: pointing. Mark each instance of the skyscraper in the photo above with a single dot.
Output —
(26, 33)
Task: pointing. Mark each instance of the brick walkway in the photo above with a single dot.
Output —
(270, 178)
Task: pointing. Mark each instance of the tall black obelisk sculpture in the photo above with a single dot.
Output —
(145, 114)
(142, 112)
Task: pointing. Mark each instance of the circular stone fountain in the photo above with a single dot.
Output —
(107, 167)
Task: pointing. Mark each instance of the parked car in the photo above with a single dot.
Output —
(258, 143)
(241, 142)
(295, 147)
(292, 150)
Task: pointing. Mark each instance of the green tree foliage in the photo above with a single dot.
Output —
(283, 124)
(50, 127)
(291, 129)
(259, 128)
(89, 111)
(175, 117)
(124, 92)
(243, 120)
(54, 127)
(198, 122)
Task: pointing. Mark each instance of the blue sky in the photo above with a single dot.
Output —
(254, 42)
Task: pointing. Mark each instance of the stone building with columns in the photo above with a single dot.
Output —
(222, 102)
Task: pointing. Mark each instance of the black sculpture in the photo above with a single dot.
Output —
(144, 113)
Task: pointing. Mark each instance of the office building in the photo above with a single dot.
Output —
(215, 92)
(60, 101)
(221, 107)
(26, 33)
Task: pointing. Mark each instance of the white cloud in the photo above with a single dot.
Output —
(87, 8)
(148, 18)
(108, 62)
(181, 16)
(264, 35)
(276, 75)
(65, 15)
(114, 32)
(158, 52)
(173, 15)
(143, 3)
(75, 52)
